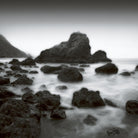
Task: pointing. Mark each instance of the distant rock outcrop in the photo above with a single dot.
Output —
(7, 50)
(76, 50)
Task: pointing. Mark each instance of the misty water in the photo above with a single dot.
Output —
(119, 89)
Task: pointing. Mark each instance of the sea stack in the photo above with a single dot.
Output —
(76, 50)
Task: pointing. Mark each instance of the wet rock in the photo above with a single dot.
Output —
(90, 120)
(86, 98)
(84, 65)
(23, 71)
(29, 97)
(14, 62)
(27, 90)
(115, 131)
(17, 75)
(132, 107)
(47, 101)
(75, 50)
(109, 68)
(126, 73)
(51, 69)
(1, 64)
(6, 94)
(109, 102)
(62, 87)
(16, 68)
(43, 87)
(23, 80)
(33, 72)
(4, 80)
(28, 62)
(70, 75)
(136, 69)
(81, 69)
(58, 114)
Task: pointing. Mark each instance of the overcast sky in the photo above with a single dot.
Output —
(33, 26)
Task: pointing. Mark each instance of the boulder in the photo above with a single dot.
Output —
(109, 102)
(86, 98)
(90, 120)
(4, 80)
(70, 75)
(51, 69)
(132, 107)
(29, 97)
(126, 73)
(109, 68)
(136, 69)
(14, 62)
(28, 62)
(33, 72)
(6, 94)
(23, 80)
(76, 50)
(1, 64)
(47, 101)
(16, 68)
(58, 114)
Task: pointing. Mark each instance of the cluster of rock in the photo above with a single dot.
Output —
(76, 50)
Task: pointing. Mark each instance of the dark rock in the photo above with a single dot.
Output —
(43, 87)
(16, 68)
(23, 80)
(132, 107)
(62, 87)
(29, 97)
(9, 73)
(84, 65)
(28, 62)
(75, 50)
(6, 94)
(110, 103)
(47, 101)
(136, 69)
(90, 120)
(4, 81)
(86, 98)
(15, 62)
(15, 108)
(1, 64)
(17, 75)
(27, 90)
(70, 75)
(58, 114)
(33, 72)
(113, 131)
(109, 68)
(7, 50)
(81, 69)
(126, 73)
(23, 71)
(50, 69)
(65, 108)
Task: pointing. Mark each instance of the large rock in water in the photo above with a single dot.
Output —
(7, 50)
(109, 68)
(132, 107)
(86, 98)
(76, 50)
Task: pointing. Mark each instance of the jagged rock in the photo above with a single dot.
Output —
(7, 50)
(47, 101)
(75, 50)
(23, 80)
(109, 102)
(70, 75)
(58, 114)
(4, 81)
(86, 98)
(28, 62)
(51, 69)
(14, 62)
(109, 68)
(90, 120)
(132, 107)
(126, 73)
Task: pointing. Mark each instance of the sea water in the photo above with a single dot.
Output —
(119, 89)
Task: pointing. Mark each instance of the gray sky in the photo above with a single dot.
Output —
(33, 26)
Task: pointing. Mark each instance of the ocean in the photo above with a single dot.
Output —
(117, 88)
